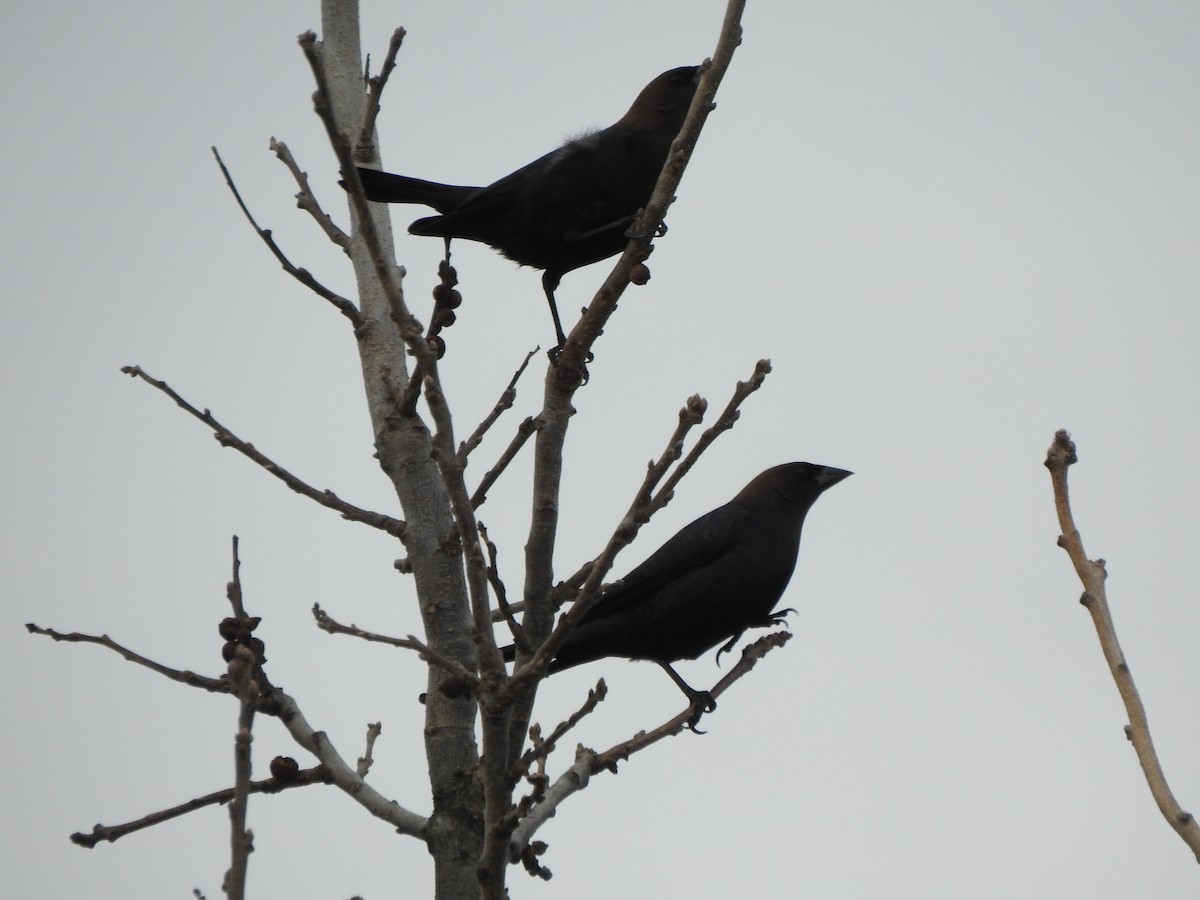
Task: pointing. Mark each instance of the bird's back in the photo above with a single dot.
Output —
(566, 209)
(717, 576)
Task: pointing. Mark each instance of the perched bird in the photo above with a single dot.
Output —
(567, 209)
(717, 577)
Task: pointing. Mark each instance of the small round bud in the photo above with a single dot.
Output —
(437, 345)
(440, 291)
(444, 318)
(284, 768)
(639, 274)
(259, 649)
(452, 300)
(230, 628)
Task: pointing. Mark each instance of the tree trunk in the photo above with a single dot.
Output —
(404, 445)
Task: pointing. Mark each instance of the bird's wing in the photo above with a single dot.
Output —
(695, 546)
(486, 202)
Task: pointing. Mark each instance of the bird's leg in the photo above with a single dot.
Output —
(550, 282)
(702, 701)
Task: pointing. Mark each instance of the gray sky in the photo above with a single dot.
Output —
(953, 228)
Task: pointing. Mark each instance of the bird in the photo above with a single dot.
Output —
(715, 578)
(567, 209)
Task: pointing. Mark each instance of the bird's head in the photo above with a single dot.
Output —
(663, 103)
(797, 483)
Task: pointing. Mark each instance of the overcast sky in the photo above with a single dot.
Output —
(952, 227)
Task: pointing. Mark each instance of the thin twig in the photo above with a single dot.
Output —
(505, 610)
(729, 415)
(284, 707)
(226, 438)
(233, 590)
(507, 396)
(543, 748)
(1092, 573)
(110, 833)
(214, 685)
(375, 86)
(524, 430)
(344, 306)
(589, 762)
(367, 759)
(427, 653)
(307, 200)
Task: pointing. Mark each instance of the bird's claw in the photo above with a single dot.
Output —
(779, 616)
(555, 352)
(702, 702)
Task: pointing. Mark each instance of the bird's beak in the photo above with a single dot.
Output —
(830, 476)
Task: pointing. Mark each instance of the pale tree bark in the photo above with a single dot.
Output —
(1093, 574)
(405, 448)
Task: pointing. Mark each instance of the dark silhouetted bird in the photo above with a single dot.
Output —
(717, 577)
(567, 209)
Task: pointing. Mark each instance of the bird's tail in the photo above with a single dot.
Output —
(385, 187)
(509, 652)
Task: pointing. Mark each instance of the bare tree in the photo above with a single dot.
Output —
(481, 742)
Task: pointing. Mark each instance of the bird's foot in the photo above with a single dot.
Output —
(728, 646)
(555, 352)
(779, 616)
(702, 702)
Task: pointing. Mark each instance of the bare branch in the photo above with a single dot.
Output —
(524, 430)
(729, 415)
(493, 572)
(226, 438)
(241, 840)
(407, 324)
(646, 502)
(214, 685)
(110, 833)
(505, 402)
(281, 705)
(242, 669)
(584, 334)
(564, 379)
(233, 590)
(1092, 574)
(494, 702)
(375, 86)
(367, 759)
(542, 749)
(589, 762)
(344, 306)
(427, 653)
(307, 200)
